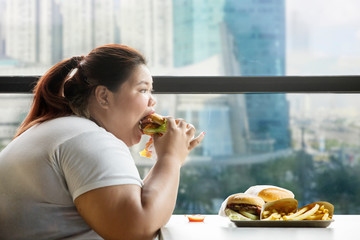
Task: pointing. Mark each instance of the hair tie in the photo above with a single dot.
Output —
(78, 60)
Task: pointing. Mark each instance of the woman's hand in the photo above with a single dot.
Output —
(178, 141)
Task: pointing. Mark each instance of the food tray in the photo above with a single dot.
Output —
(271, 223)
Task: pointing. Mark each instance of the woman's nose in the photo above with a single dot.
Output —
(152, 101)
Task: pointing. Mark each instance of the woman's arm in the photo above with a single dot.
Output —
(131, 212)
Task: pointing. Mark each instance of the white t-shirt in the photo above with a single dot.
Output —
(47, 167)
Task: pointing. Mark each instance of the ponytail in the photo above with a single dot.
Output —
(63, 92)
(49, 102)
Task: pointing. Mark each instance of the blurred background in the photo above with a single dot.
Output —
(308, 143)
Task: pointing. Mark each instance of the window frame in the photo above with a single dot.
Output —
(221, 84)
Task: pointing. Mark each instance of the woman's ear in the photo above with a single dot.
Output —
(102, 96)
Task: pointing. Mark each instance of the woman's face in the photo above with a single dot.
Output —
(129, 104)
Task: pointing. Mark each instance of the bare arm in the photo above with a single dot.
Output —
(131, 212)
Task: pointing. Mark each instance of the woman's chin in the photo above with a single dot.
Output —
(137, 136)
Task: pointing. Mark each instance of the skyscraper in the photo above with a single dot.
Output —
(50, 32)
(148, 27)
(33, 31)
(196, 30)
(197, 37)
(21, 33)
(2, 28)
(86, 25)
(104, 22)
(256, 33)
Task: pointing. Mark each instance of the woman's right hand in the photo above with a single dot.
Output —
(178, 140)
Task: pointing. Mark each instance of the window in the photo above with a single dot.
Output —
(187, 37)
(308, 143)
(280, 131)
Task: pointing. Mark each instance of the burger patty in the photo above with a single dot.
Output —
(149, 125)
(148, 122)
(256, 210)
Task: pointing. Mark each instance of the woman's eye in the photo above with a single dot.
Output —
(146, 90)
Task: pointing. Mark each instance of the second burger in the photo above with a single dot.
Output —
(241, 206)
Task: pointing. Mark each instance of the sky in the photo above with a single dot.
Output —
(323, 37)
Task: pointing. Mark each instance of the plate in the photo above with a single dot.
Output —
(301, 223)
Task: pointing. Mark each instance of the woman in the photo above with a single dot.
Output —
(68, 174)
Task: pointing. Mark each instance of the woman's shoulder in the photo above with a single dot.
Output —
(63, 128)
(79, 129)
(67, 124)
(72, 121)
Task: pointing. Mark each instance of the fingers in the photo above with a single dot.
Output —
(171, 121)
(189, 129)
(182, 124)
(178, 120)
(196, 141)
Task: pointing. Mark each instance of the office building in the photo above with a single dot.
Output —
(50, 32)
(256, 33)
(21, 33)
(196, 30)
(86, 25)
(2, 28)
(148, 27)
(25, 39)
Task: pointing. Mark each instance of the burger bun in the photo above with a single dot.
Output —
(270, 193)
(243, 198)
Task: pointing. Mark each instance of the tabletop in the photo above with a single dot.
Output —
(217, 227)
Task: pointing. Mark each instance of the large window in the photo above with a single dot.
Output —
(306, 142)
(187, 37)
(309, 143)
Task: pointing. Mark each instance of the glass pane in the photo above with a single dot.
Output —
(187, 37)
(308, 143)
(13, 110)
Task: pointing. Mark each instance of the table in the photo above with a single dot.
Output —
(217, 227)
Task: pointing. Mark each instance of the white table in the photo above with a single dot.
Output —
(216, 227)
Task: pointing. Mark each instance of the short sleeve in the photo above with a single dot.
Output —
(94, 160)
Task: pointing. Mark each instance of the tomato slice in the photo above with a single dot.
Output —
(196, 218)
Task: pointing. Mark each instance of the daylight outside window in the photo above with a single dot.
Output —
(308, 143)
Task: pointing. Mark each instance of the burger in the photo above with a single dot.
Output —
(270, 193)
(153, 123)
(242, 206)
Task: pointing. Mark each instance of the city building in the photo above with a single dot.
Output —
(256, 33)
(148, 27)
(2, 28)
(25, 39)
(86, 25)
(21, 32)
(196, 30)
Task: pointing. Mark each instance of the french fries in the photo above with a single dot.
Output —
(294, 215)
(307, 214)
(315, 212)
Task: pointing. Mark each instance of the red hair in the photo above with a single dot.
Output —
(57, 94)
(48, 102)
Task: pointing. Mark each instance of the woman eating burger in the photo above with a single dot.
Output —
(68, 173)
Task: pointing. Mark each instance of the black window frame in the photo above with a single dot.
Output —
(221, 84)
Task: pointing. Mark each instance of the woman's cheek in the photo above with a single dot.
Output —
(144, 102)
